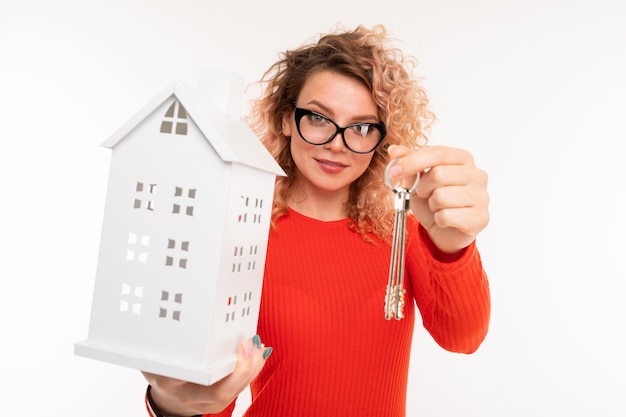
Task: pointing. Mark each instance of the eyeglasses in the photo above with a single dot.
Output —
(317, 129)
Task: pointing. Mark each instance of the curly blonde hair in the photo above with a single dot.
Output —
(366, 55)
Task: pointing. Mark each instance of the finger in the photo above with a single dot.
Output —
(452, 175)
(442, 176)
(445, 198)
(467, 220)
(251, 357)
(397, 151)
(452, 197)
(427, 158)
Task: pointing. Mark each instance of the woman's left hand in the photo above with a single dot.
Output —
(451, 200)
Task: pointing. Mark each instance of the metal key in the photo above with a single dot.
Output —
(394, 298)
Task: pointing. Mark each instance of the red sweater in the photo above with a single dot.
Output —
(322, 310)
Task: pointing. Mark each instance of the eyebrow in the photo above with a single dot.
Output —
(368, 118)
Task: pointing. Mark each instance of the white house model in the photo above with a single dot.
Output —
(184, 235)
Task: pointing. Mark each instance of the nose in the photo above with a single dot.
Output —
(337, 144)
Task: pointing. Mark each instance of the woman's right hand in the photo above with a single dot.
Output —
(180, 398)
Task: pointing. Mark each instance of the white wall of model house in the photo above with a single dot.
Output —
(184, 236)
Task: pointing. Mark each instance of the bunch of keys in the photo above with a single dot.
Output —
(394, 298)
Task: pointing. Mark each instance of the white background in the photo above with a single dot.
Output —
(535, 89)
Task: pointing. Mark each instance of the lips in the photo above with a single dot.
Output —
(331, 163)
(331, 167)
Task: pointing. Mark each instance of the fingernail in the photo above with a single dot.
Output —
(267, 353)
(395, 171)
(256, 340)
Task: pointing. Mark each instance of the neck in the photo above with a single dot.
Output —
(319, 205)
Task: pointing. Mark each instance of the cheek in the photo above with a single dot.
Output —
(299, 149)
(364, 161)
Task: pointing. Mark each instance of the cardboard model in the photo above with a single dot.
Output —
(184, 235)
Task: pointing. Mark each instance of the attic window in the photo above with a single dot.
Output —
(175, 120)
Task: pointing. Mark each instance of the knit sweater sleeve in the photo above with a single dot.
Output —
(452, 295)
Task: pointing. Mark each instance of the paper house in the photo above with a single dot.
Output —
(184, 235)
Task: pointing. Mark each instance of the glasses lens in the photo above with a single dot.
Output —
(362, 138)
(317, 129)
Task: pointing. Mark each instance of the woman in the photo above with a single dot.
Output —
(334, 113)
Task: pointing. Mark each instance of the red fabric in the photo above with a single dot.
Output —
(322, 310)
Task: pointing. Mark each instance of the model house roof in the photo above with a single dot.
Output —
(230, 137)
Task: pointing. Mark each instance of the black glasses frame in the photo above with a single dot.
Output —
(299, 113)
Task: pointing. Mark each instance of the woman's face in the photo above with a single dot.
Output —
(332, 167)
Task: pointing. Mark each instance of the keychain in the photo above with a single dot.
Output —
(394, 298)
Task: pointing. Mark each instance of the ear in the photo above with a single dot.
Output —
(287, 123)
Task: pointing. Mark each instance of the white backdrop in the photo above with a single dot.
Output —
(535, 89)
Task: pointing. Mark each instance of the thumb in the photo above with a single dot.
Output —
(397, 151)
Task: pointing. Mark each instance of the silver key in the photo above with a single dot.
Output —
(394, 298)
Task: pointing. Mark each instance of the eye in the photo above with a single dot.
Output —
(317, 119)
(362, 129)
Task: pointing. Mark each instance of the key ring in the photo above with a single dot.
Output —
(397, 189)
